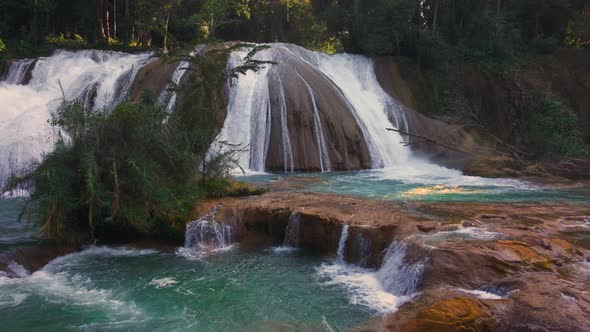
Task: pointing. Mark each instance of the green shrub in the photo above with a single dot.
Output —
(134, 169)
(432, 50)
(554, 129)
(69, 41)
(545, 45)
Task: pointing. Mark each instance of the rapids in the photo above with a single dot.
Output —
(99, 78)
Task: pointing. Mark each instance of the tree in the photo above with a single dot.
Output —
(578, 29)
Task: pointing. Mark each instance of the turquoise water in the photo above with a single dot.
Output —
(125, 289)
(447, 185)
(12, 232)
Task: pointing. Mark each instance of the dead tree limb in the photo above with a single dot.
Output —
(430, 141)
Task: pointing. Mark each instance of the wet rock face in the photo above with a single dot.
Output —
(449, 314)
(301, 90)
(486, 267)
(153, 77)
(403, 80)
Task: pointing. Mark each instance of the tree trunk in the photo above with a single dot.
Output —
(165, 43)
(103, 19)
(115, 19)
(435, 16)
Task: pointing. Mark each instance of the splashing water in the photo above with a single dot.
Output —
(342, 244)
(384, 290)
(293, 231)
(17, 71)
(99, 78)
(397, 276)
(206, 234)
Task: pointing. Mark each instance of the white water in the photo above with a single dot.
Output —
(318, 131)
(99, 78)
(247, 124)
(168, 96)
(397, 276)
(342, 244)
(355, 76)
(383, 290)
(248, 120)
(205, 235)
(58, 284)
(18, 70)
(293, 231)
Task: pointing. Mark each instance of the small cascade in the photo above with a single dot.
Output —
(18, 70)
(168, 95)
(319, 133)
(362, 250)
(101, 79)
(287, 149)
(397, 276)
(293, 231)
(207, 234)
(342, 244)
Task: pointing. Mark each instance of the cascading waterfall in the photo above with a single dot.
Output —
(287, 149)
(396, 276)
(342, 244)
(205, 234)
(383, 290)
(317, 127)
(100, 78)
(362, 250)
(248, 116)
(249, 109)
(18, 70)
(371, 105)
(293, 231)
(168, 95)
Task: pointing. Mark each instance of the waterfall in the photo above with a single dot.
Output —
(287, 150)
(247, 123)
(342, 244)
(251, 107)
(371, 105)
(100, 78)
(293, 231)
(362, 250)
(18, 70)
(207, 234)
(397, 276)
(319, 133)
(168, 95)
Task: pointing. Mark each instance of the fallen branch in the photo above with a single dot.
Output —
(430, 141)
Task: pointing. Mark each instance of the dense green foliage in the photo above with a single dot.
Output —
(455, 29)
(135, 169)
(554, 129)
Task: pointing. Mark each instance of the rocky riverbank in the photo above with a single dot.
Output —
(485, 266)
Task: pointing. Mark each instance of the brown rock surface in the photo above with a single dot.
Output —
(514, 251)
(153, 77)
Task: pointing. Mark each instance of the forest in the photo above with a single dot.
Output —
(433, 32)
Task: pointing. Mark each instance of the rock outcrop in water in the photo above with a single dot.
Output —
(482, 266)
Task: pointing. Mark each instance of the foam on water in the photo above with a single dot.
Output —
(363, 286)
(99, 78)
(480, 294)
(397, 275)
(57, 284)
(383, 290)
(163, 282)
(477, 233)
(103, 251)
